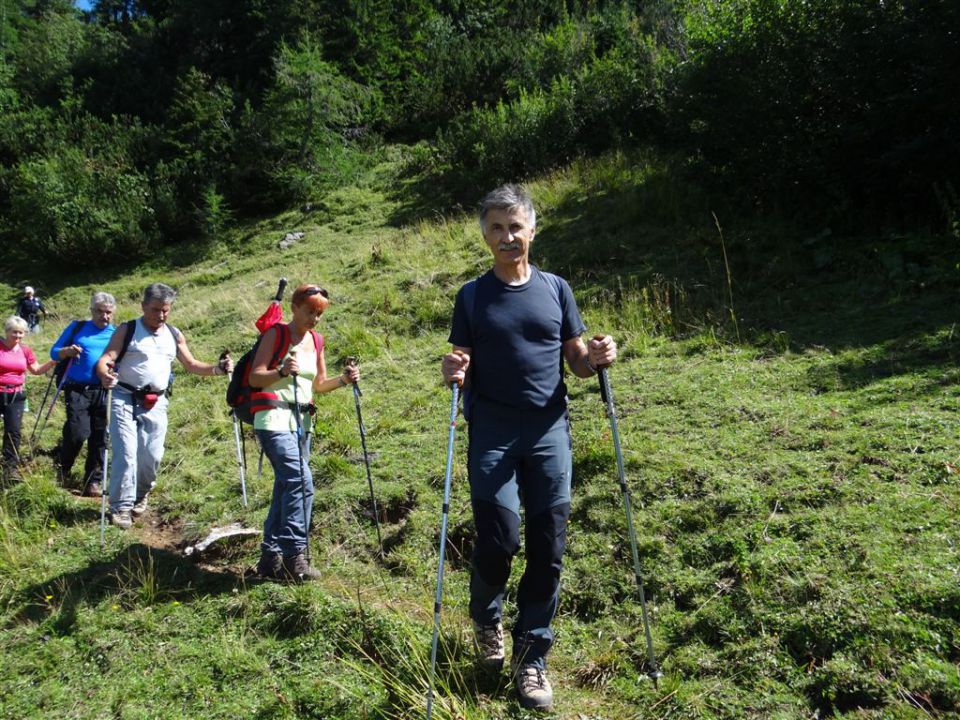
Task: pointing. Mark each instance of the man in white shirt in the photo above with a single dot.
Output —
(136, 366)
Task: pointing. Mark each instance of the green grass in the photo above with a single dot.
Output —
(796, 494)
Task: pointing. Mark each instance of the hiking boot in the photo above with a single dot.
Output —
(12, 474)
(139, 507)
(121, 519)
(488, 641)
(533, 688)
(270, 565)
(92, 490)
(298, 569)
(64, 477)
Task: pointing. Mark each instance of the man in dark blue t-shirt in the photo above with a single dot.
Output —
(512, 330)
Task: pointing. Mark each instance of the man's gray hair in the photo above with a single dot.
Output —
(102, 298)
(507, 197)
(159, 291)
(15, 322)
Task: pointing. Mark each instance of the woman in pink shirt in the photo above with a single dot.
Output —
(15, 360)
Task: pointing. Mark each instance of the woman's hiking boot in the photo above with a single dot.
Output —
(298, 569)
(270, 565)
(11, 474)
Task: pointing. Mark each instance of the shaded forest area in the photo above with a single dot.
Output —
(144, 123)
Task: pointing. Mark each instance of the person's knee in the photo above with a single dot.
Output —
(497, 541)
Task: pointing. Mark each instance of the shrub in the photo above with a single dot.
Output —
(69, 207)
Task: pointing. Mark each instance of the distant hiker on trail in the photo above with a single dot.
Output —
(16, 360)
(80, 345)
(136, 368)
(29, 308)
(512, 328)
(289, 367)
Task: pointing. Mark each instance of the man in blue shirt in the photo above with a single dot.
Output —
(512, 330)
(81, 344)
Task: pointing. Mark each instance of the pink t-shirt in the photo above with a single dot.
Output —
(13, 366)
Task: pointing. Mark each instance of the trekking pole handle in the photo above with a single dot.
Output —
(353, 361)
(458, 383)
(281, 286)
(223, 358)
(598, 337)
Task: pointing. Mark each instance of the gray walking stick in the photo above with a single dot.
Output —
(303, 475)
(438, 600)
(105, 490)
(237, 433)
(606, 394)
(36, 422)
(366, 457)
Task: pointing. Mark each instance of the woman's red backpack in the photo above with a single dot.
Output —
(246, 400)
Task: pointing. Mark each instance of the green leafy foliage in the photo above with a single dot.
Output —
(308, 117)
(70, 207)
(824, 106)
(838, 113)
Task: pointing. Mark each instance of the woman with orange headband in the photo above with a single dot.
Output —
(289, 367)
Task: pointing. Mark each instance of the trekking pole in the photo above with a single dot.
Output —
(42, 404)
(237, 433)
(443, 541)
(303, 475)
(281, 286)
(366, 457)
(105, 491)
(63, 381)
(606, 393)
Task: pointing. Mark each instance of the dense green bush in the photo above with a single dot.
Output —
(836, 107)
(69, 208)
(591, 103)
(832, 110)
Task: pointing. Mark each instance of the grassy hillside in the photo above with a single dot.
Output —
(789, 428)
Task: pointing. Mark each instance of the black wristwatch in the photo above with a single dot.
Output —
(280, 372)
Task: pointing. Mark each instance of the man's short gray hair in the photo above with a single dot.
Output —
(15, 322)
(507, 197)
(102, 298)
(159, 291)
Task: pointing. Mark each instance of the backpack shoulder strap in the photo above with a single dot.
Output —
(281, 343)
(129, 327)
(317, 341)
(554, 282)
(470, 303)
(77, 326)
(61, 365)
(175, 332)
